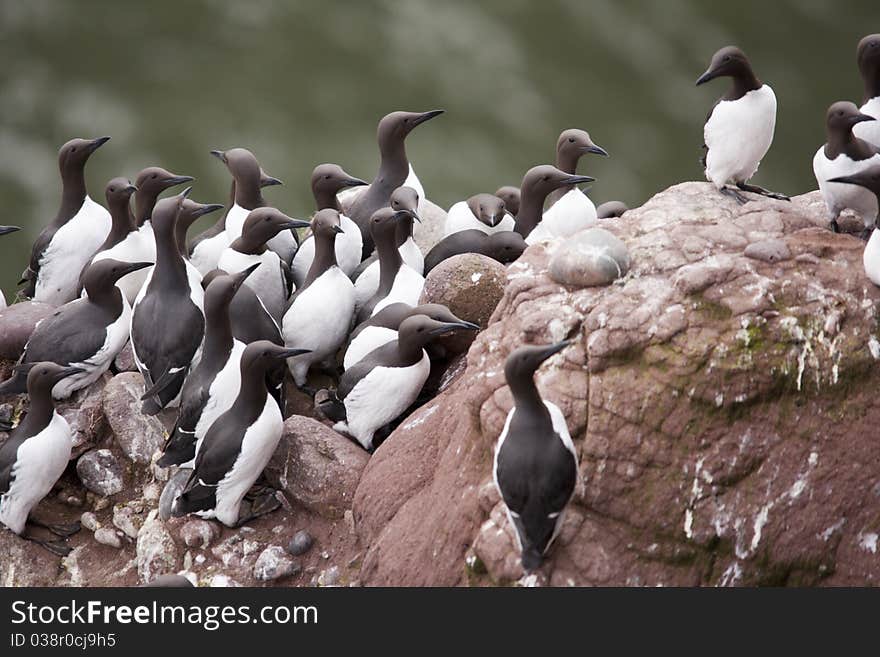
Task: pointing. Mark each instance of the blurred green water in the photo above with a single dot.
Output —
(301, 83)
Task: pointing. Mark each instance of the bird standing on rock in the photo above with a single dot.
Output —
(739, 129)
(167, 322)
(381, 386)
(536, 465)
(86, 333)
(394, 171)
(537, 184)
(869, 66)
(483, 212)
(870, 180)
(238, 445)
(35, 456)
(272, 281)
(319, 316)
(842, 155)
(568, 209)
(327, 181)
(212, 386)
(65, 246)
(505, 247)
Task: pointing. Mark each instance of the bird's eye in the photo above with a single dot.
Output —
(571, 139)
(546, 178)
(327, 177)
(73, 150)
(726, 58)
(112, 189)
(153, 176)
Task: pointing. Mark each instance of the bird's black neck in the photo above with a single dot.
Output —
(325, 258)
(73, 194)
(531, 209)
(218, 333)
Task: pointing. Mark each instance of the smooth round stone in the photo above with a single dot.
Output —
(590, 258)
(100, 472)
(301, 543)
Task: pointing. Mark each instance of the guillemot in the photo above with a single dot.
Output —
(34, 457)
(844, 154)
(483, 212)
(505, 247)
(536, 465)
(394, 170)
(238, 444)
(319, 316)
(378, 388)
(272, 280)
(536, 185)
(80, 226)
(327, 181)
(510, 194)
(85, 333)
(739, 128)
(868, 55)
(168, 322)
(213, 384)
(870, 180)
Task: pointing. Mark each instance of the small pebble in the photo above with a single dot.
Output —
(329, 577)
(301, 543)
(108, 536)
(274, 563)
(90, 521)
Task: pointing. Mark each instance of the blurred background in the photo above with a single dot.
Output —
(301, 83)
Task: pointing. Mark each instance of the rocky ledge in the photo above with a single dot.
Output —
(719, 392)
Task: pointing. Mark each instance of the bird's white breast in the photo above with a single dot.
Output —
(372, 337)
(871, 258)
(407, 288)
(70, 249)
(571, 213)
(320, 317)
(235, 219)
(738, 135)
(207, 253)
(349, 247)
(838, 196)
(869, 130)
(40, 461)
(222, 393)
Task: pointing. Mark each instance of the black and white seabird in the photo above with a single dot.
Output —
(213, 384)
(382, 328)
(536, 465)
(505, 247)
(206, 247)
(118, 194)
(5, 230)
(739, 129)
(248, 177)
(238, 445)
(394, 171)
(272, 281)
(537, 184)
(381, 386)
(569, 210)
(366, 276)
(870, 180)
(511, 197)
(868, 54)
(190, 212)
(167, 322)
(85, 333)
(319, 316)
(35, 456)
(398, 282)
(140, 245)
(327, 181)
(65, 246)
(610, 209)
(483, 212)
(845, 154)
(248, 316)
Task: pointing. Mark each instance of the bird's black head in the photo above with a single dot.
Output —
(571, 145)
(488, 208)
(405, 199)
(524, 362)
(418, 330)
(394, 127)
(262, 355)
(265, 223)
(841, 117)
(118, 191)
(325, 224)
(74, 154)
(730, 61)
(510, 195)
(506, 246)
(43, 376)
(330, 179)
(221, 288)
(868, 54)
(543, 179)
(101, 275)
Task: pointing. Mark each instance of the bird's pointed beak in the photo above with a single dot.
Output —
(295, 223)
(178, 180)
(239, 278)
(290, 353)
(135, 266)
(577, 180)
(131, 189)
(207, 208)
(554, 349)
(97, 143)
(861, 118)
(5, 230)
(595, 150)
(220, 155)
(850, 180)
(269, 181)
(185, 193)
(452, 327)
(710, 74)
(427, 116)
(338, 230)
(69, 371)
(354, 182)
